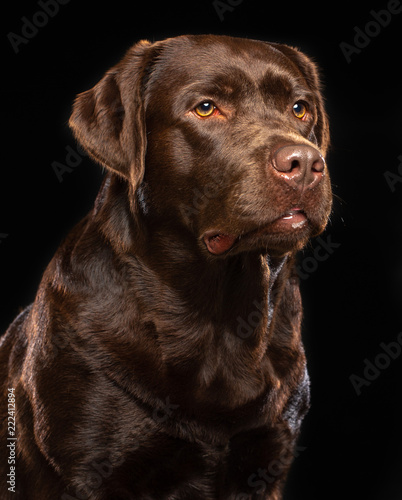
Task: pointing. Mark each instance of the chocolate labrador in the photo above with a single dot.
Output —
(162, 357)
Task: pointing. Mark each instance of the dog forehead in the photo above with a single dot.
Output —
(184, 60)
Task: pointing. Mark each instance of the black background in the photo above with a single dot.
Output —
(351, 443)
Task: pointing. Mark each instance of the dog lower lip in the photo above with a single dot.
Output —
(287, 222)
(294, 218)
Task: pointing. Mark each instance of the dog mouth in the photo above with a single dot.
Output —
(219, 242)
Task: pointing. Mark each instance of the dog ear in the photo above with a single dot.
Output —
(109, 119)
(310, 72)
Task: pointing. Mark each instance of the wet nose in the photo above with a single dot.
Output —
(300, 165)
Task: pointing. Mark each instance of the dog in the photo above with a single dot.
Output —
(162, 356)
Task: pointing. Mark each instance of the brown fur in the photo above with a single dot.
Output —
(147, 367)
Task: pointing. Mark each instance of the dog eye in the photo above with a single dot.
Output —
(299, 110)
(205, 109)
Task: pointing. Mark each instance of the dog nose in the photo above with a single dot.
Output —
(300, 165)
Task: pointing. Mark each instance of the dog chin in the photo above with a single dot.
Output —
(275, 244)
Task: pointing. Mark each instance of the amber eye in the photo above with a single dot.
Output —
(205, 109)
(299, 110)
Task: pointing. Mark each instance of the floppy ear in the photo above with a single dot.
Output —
(310, 72)
(109, 120)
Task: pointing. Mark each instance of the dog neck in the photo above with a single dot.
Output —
(214, 287)
(209, 318)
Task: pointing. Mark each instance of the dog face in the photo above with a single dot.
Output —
(221, 139)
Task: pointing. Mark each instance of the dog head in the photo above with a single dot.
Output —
(221, 138)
